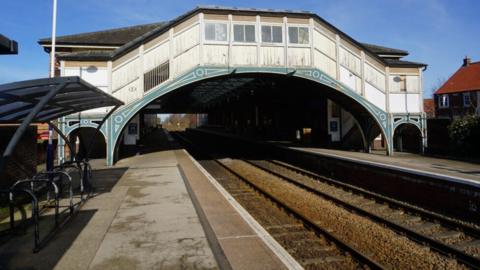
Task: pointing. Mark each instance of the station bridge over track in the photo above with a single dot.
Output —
(204, 60)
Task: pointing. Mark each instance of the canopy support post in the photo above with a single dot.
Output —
(92, 141)
(67, 141)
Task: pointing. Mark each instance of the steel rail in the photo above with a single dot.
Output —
(363, 258)
(436, 245)
(447, 222)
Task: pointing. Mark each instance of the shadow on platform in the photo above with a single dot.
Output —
(16, 251)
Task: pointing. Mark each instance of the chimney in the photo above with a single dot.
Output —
(467, 61)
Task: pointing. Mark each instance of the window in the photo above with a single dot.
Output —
(298, 35)
(467, 102)
(243, 33)
(443, 101)
(216, 31)
(272, 34)
(156, 76)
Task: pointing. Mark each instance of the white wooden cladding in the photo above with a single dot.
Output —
(244, 55)
(188, 48)
(324, 44)
(272, 56)
(374, 77)
(350, 79)
(375, 96)
(186, 40)
(325, 63)
(96, 76)
(405, 102)
(126, 73)
(299, 57)
(215, 54)
(412, 83)
(156, 56)
(350, 61)
(129, 92)
(185, 61)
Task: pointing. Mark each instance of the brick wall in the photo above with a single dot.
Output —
(23, 162)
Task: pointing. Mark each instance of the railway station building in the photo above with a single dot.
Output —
(278, 75)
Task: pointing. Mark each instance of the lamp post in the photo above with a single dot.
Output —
(50, 152)
(54, 30)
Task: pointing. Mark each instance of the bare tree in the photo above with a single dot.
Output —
(437, 84)
(176, 122)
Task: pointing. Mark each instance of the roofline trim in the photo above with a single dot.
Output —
(83, 58)
(148, 36)
(158, 31)
(48, 40)
(87, 45)
(410, 65)
(391, 55)
(458, 91)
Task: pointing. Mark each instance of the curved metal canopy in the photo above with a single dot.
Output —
(44, 100)
(52, 97)
(8, 46)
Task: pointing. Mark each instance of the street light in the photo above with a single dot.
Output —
(50, 152)
(54, 30)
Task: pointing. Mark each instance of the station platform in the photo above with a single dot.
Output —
(408, 162)
(157, 210)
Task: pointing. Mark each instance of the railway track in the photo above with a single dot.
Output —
(308, 243)
(428, 229)
(445, 235)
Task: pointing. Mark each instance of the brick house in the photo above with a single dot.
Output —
(460, 94)
(429, 107)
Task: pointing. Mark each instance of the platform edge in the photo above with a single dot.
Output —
(271, 243)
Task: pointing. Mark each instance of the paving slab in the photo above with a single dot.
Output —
(156, 226)
(238, 236)
(140, 218)
(156, 210)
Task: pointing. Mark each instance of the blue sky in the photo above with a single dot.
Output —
(437, 32)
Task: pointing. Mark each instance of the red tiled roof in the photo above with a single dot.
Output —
(428, 104)
(466, 79)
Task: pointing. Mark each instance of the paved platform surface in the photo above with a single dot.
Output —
(245, 246)
(440, 166)
(143, 217)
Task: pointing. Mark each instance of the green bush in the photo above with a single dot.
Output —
(465, 134)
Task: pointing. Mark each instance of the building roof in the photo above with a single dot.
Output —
(91, 55)
(403, 63)
(467, 78)
(110, 37)
(382, 50)
(128, 38)
(429, 107)
(8, 46)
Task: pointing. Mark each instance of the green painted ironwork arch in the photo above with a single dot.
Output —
(403, 123)
(121, 117)
(416, 121)
(89, 123)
